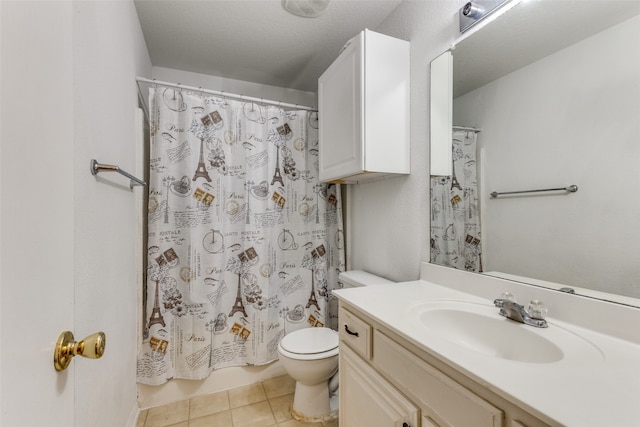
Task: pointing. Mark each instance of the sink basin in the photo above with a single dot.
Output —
(479, 328)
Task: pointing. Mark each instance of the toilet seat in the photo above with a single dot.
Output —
(310, 344)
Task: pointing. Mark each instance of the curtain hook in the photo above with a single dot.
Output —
(201, 91)
(155, 84)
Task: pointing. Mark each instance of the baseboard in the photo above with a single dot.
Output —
(132, 421)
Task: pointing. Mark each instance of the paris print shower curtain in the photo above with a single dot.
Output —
(244, 242)
(455, 217)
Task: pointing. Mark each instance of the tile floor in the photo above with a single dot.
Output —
(265, 404)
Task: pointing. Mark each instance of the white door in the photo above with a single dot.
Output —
(67, 238)
(36, 211)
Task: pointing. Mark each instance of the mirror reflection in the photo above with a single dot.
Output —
(546, 96)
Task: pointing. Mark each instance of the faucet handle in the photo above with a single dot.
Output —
(504, 298)
(537, 309)
(508, 296)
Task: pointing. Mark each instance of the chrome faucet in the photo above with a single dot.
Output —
(514, 311)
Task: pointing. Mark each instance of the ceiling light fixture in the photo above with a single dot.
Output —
(305, 8)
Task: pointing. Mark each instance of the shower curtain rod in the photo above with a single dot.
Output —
(466, 128)
(223, 94)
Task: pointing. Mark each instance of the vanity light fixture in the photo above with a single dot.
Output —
(475, 11)
(305, 8)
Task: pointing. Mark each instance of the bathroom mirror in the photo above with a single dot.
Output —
(553, 88)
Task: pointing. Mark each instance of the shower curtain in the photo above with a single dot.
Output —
(455, 217)
(244, 242)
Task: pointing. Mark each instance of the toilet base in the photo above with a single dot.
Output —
(311, 403)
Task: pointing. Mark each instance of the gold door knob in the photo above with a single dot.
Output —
(91, 347)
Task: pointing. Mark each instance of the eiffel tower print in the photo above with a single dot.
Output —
(312, 298)
(277, 177)
(238, 306)
(316, 256)
(156, 315)
(454, 180)
(201, 170)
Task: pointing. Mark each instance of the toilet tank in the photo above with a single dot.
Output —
(357, 278)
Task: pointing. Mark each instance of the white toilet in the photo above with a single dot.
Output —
(310, 356)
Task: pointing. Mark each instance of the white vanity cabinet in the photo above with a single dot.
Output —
(368, 399)
(363, 110)
(386, 381)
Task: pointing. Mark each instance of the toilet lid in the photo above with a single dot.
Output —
(310, 341)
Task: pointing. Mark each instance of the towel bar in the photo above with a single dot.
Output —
(570, 189)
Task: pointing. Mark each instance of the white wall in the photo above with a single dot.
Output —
(240, 87)
(571, 118)
(390, 218)
(109, 52)
(68, 239)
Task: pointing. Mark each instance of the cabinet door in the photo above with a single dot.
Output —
(450, 403)
(367, 400)
(340, 100)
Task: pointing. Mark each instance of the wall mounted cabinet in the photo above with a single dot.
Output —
(363, 107)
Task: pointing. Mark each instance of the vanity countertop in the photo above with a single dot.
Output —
(590, 391)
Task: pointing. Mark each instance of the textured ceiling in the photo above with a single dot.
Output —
(254, 41)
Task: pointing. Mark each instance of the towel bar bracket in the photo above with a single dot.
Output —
(99, 167)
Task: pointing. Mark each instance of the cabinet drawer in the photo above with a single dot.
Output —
(355, 332)
(449, 402)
